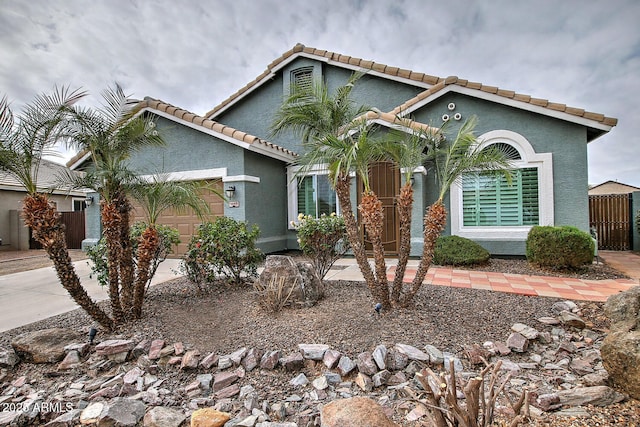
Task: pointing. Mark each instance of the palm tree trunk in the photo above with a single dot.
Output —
(434, 223)
(42, 218)
(373, 220)
(405, 203)
(125, 260)
(147, 247)
(343, 184)
(111, 221)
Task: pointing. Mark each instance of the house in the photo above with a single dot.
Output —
(612, 187)
(13, 233)
(231, 146)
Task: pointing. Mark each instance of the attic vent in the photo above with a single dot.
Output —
(302, 79)
(510, 152)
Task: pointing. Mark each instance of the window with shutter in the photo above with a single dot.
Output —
(488, 199)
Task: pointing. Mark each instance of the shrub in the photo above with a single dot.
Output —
(559, 247)
(638, 221)
(169, 237)
(456, 250)
(323, 240)
(224, 247)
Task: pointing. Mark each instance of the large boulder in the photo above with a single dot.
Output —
(46, 345)
(621, 348)
(301, 276)
(354, 412)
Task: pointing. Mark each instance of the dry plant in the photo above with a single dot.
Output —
(478, 411)
(273, 296)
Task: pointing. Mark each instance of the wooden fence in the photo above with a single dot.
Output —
(611, 217)
(73, 228)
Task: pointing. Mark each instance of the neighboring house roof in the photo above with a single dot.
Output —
(202, 124)
(48, 175)
(435, 87)
(612, 187)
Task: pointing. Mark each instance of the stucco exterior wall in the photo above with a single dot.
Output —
(565, 140)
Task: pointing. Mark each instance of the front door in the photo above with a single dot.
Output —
(385, 183)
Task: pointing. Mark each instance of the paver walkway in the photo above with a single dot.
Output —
(545, 286)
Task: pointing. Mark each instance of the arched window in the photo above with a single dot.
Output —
(491, 207)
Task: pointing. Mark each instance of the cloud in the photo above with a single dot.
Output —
(195, 54)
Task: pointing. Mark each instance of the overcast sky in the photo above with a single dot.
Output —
(194, 54)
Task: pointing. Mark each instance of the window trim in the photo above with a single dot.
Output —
(529, 159)
(292, 189)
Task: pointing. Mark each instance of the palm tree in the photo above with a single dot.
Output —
(329, 126)
(155, 197)
(450, 159)
(111, 134)
(23, 142)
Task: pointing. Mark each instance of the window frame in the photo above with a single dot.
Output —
(528, 159)
(293, 175)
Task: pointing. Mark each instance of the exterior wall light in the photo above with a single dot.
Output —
(88, 200)
(230, 191)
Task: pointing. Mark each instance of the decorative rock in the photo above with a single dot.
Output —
(517, 342)
(560, 306)
(364, 382)
(70, 418)
(44, 346)
(548, 402)
(597, 396)
(71, 360)
(331, 358)
(397, 378)
(476, 354)
(549, 320)
(300, 380)
(354, 412)
(300, 278)
(111, 347)
(190, 360)
(209, 360)
(209, 417)
(132, 375)
(526, 331)
(569, 319)
(623, 310)
(380, 356)
(366, 364)
(251, 359)
(155, 348)
(412, 352)
(621, 358)
(345, 365)
(223, 379)
(381, 378)
(160, 416)
(457, 363)
(8, 358)
(596, 378)
(91, 413)
(228, 392)
(122, 412)
(270, 360)
(292, 362)
(167, 351)
(320, 383)
(435, 355)
(224, 362)
(396, 361)
(313, 351)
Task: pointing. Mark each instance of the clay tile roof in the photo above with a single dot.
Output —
(332, 56)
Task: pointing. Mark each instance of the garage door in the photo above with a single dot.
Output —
(187, 221)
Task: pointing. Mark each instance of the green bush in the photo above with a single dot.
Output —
(169, 237)
(638, 220)
(559, 247)
(224, 247)
(456, 250)
(323, 240)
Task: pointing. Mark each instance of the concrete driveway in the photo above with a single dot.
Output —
(30, 296)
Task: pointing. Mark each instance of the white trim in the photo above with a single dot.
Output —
(242, 178)
(80, 161)
(419, 169)
(271, 239)
(189, 175)
(292, 189)
(530, 159)
(509, 102)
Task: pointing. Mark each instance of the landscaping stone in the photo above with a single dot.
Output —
(44, 346)
(354, 412)
(301, 280)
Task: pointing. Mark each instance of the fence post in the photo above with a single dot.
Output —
(635, 209)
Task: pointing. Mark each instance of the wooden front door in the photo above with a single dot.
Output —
(384, 179)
